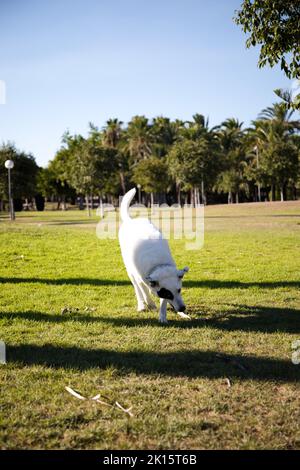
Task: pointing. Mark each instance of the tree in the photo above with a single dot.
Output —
(290, 97)
(280, 115)
(231, 137)
(193, 163)
(195, 137)
(280, 163)
(112, 133)
(90, 167)
(23, 175)
(51, 181)
(164, 132)
(152, 175)
(278, 154)
(113, 136)
(139, 138)
(273, 24)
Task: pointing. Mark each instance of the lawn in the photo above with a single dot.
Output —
(223, 380)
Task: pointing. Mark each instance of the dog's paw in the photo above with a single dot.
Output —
(141, 308)
(163, 321)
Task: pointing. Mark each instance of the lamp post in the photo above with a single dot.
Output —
(257, 163)
(9, 164)
(139, 192)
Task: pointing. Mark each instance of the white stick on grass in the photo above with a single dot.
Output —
(123, 409)
(97, 399)
(75, 394)
(184, 315)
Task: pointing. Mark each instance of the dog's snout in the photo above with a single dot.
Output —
(182, 308)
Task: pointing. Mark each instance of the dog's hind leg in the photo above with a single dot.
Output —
(147, 297)
(139, 294)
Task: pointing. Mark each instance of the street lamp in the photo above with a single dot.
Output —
(139, 190)
(257, 163)
(9, 164)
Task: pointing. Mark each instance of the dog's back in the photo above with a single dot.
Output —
(142, 244)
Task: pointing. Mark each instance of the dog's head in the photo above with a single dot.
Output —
(166, 283)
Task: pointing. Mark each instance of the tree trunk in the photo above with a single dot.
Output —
(152, 200)
(178, 194)
(281, 193)
(122, 181)
(203, 195)
(87, 205)
(237, 198)
(259, 192)
(229, 197)
(196, 192)
(101, 207)
(272, 192)
(295, 193)
(192, 197)
(58, 204)
(64, 206)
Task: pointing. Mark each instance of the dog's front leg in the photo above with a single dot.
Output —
(163, 311)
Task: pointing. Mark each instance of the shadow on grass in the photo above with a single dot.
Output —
(241, 318)
(194, 363)
(249, 216)
(72, 222)
(66, 281)
(205, 283)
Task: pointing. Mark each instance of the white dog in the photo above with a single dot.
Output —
(149, 263)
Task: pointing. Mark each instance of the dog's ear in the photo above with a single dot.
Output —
(153, 282)
(181, 272)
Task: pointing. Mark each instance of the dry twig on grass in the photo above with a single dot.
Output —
(96, 398)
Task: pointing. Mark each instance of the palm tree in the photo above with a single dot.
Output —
(139, 138)
(112, 138)
(164, 134)
(231, 139)
(272, 136)
(112, 133)
(290, 97)
(279, 115)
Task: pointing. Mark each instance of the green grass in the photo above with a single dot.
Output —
(243, 295)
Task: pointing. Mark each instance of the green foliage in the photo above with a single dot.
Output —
(169, 156)
(187, 160)
(279, 163)
(232, 145)
(139, 138)
(152, 175)
(290, 98)
(194, 157)
(278, 154)
(86, 164)
(275, 25)
(23, 175)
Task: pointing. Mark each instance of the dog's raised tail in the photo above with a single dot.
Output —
(127, 198)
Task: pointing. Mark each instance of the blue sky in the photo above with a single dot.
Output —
(68, 62)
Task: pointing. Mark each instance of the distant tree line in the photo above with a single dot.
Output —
(169, 160)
